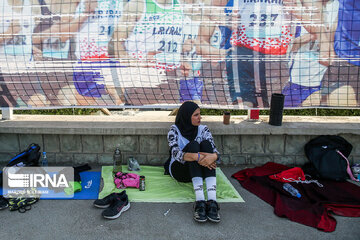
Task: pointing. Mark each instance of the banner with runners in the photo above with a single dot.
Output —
(160, 53)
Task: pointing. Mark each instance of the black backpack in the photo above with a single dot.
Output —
(27, 158)
(328, 157)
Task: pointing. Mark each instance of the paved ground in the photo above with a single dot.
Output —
(78, 219)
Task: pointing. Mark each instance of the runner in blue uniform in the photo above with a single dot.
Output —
(342, 77)
(310, 54)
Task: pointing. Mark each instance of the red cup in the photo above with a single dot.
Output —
(254, 114)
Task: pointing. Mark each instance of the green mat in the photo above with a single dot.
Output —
(162, 188)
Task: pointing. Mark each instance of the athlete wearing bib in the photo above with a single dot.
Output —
(19, 48)
(261, 34)
(191, 88)
(347, 36)
(95, 34)
(52, 48)
(220, 39)
(263, 27)
(93, 73)
(17, 54)
(306, 73)
(160, 29)
(342, 77)
(221, 36)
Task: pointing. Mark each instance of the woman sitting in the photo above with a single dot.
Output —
(193, 158)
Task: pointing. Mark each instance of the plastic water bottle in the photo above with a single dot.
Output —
(133, 164)
(44, 161)
(290, 189)
(117, 161)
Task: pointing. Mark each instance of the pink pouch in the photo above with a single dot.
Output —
(124, 180)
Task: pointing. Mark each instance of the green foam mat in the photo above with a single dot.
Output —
(163, 188)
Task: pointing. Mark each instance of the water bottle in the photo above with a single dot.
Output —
(117, 161)
(290, 189)
(44, 161)
(133, 164)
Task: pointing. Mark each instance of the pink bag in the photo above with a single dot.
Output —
(124, 180)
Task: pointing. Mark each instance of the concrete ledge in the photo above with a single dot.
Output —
(92, 139)
(158, 123)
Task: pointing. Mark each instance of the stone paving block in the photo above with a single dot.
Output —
(64, 158)
(300, 160)
(218, 143)
(354, 140)
(157, 160)
(355, 159)
(252, 144)
(260, 160)
(141, 158)
(92, 144)
(351, 159)
(231, 144)
(105, 159)
(51, 143)
(148, 144)
(294, 144)
(5, 158)
(163, 145)
(70, 143)
(237, 160)
(225, 160)
(9, 143)
(126, 143)
(83, 158)
(27, 139)
(286, 160)
(274, 144)
(51, 158)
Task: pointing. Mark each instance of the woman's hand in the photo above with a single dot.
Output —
(208, 160)
(191, 157)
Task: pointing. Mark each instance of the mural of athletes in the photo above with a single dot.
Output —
(159, 53)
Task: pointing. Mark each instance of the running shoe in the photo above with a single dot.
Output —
(106, 201)
(119, 205)
(200, 211)
(3, 203)
(212, 211)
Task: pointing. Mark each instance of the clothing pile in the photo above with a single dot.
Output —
(319, 198)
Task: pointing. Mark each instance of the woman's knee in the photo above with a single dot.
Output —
(205, 146)
(192, 147)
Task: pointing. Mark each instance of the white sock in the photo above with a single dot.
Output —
(211, 188)
(198, 188)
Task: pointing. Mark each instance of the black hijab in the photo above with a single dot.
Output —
(183, 120)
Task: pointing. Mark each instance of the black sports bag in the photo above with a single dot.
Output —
(328, 157)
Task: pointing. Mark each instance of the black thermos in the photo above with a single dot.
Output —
(276, 109)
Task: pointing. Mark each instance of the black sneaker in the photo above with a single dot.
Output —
(3, 203)
(119, 205)
(106, 201)
(200, 211)
(212, 211)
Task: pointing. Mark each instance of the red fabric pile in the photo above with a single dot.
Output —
(315, 206)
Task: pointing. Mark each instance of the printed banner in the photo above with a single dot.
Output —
(160, 53)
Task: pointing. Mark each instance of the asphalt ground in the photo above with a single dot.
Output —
(78, 219)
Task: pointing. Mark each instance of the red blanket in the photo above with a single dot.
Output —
(316, 204)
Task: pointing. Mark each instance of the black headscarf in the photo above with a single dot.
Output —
(183, 120)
